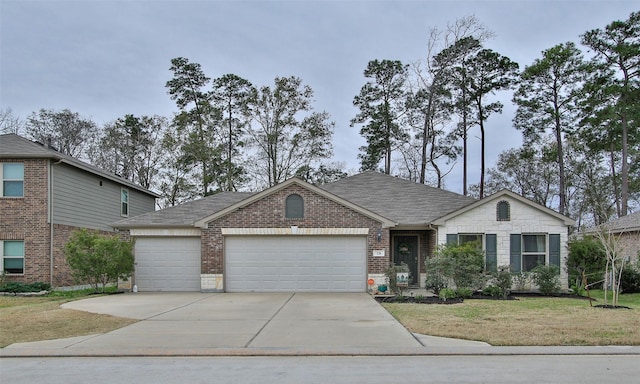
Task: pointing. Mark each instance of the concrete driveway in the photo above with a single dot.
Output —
(185, 323)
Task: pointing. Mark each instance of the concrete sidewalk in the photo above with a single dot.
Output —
(261, 324)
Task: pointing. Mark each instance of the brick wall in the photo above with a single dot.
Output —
(269, 212)
(26, 218)
(630, 244)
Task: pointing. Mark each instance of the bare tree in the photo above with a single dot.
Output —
(10, 123)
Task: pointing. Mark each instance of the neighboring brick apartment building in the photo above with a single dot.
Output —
(44, 196)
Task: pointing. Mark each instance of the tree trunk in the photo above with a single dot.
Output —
(562, 187)
(624, 193)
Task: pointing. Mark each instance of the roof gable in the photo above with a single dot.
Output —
(202, 223)
(497, 196)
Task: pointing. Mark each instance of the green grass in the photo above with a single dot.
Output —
(24, 319)
(527, 321)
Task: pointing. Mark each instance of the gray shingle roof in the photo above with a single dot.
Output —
(403, 201)
(628, 223)
(13, 146)
(184, 214)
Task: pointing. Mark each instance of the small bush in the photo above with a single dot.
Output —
(464, 292)
(547, 279)
(522, 281)
(19, 287)
(492, 290)
(503, 280)
(630, 280)
(448, 293)
(437, 271)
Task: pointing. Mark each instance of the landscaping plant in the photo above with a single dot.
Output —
(438, 272)
(586, 256)
(547, 278)
(97, 259)
(502, 281)
(392, 277)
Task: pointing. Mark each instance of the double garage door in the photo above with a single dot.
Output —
(295, 264)
(256, 264)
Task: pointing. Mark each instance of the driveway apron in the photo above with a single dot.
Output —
(240, 321)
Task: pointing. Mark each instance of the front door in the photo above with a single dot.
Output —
(405, 250)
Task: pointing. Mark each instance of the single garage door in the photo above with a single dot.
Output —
(295, 264)
(167, 263)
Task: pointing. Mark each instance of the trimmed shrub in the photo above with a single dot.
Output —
(19, 287)
(492, 290)
(464, 292)
(448, 293)
(547, 279)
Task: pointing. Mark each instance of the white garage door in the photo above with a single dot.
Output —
(167, 263)
(295, 264)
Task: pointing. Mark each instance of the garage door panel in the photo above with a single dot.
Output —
(167, 264)
(300, 263)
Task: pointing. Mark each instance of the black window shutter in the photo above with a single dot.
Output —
(516, 252)
(554, 250)
(491, 252)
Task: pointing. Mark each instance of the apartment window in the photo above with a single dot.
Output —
(503, 211)
(124, 202)
(534, 251)
(12, 175)
(294, 207)
(12, 256)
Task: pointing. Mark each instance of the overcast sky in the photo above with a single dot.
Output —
(105, 58)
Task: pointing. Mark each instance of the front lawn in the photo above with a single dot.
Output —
(24, 319)
(527, 321)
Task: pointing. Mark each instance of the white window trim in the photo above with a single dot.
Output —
(122, 202)
(523, 253)
(2, 180)
(2, 257)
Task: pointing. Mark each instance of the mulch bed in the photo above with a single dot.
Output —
(417, 300)
(475, 296)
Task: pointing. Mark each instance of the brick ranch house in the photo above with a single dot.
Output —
(44, 196)
(333, 238)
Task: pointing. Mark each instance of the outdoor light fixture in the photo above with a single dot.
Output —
(379, 235)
